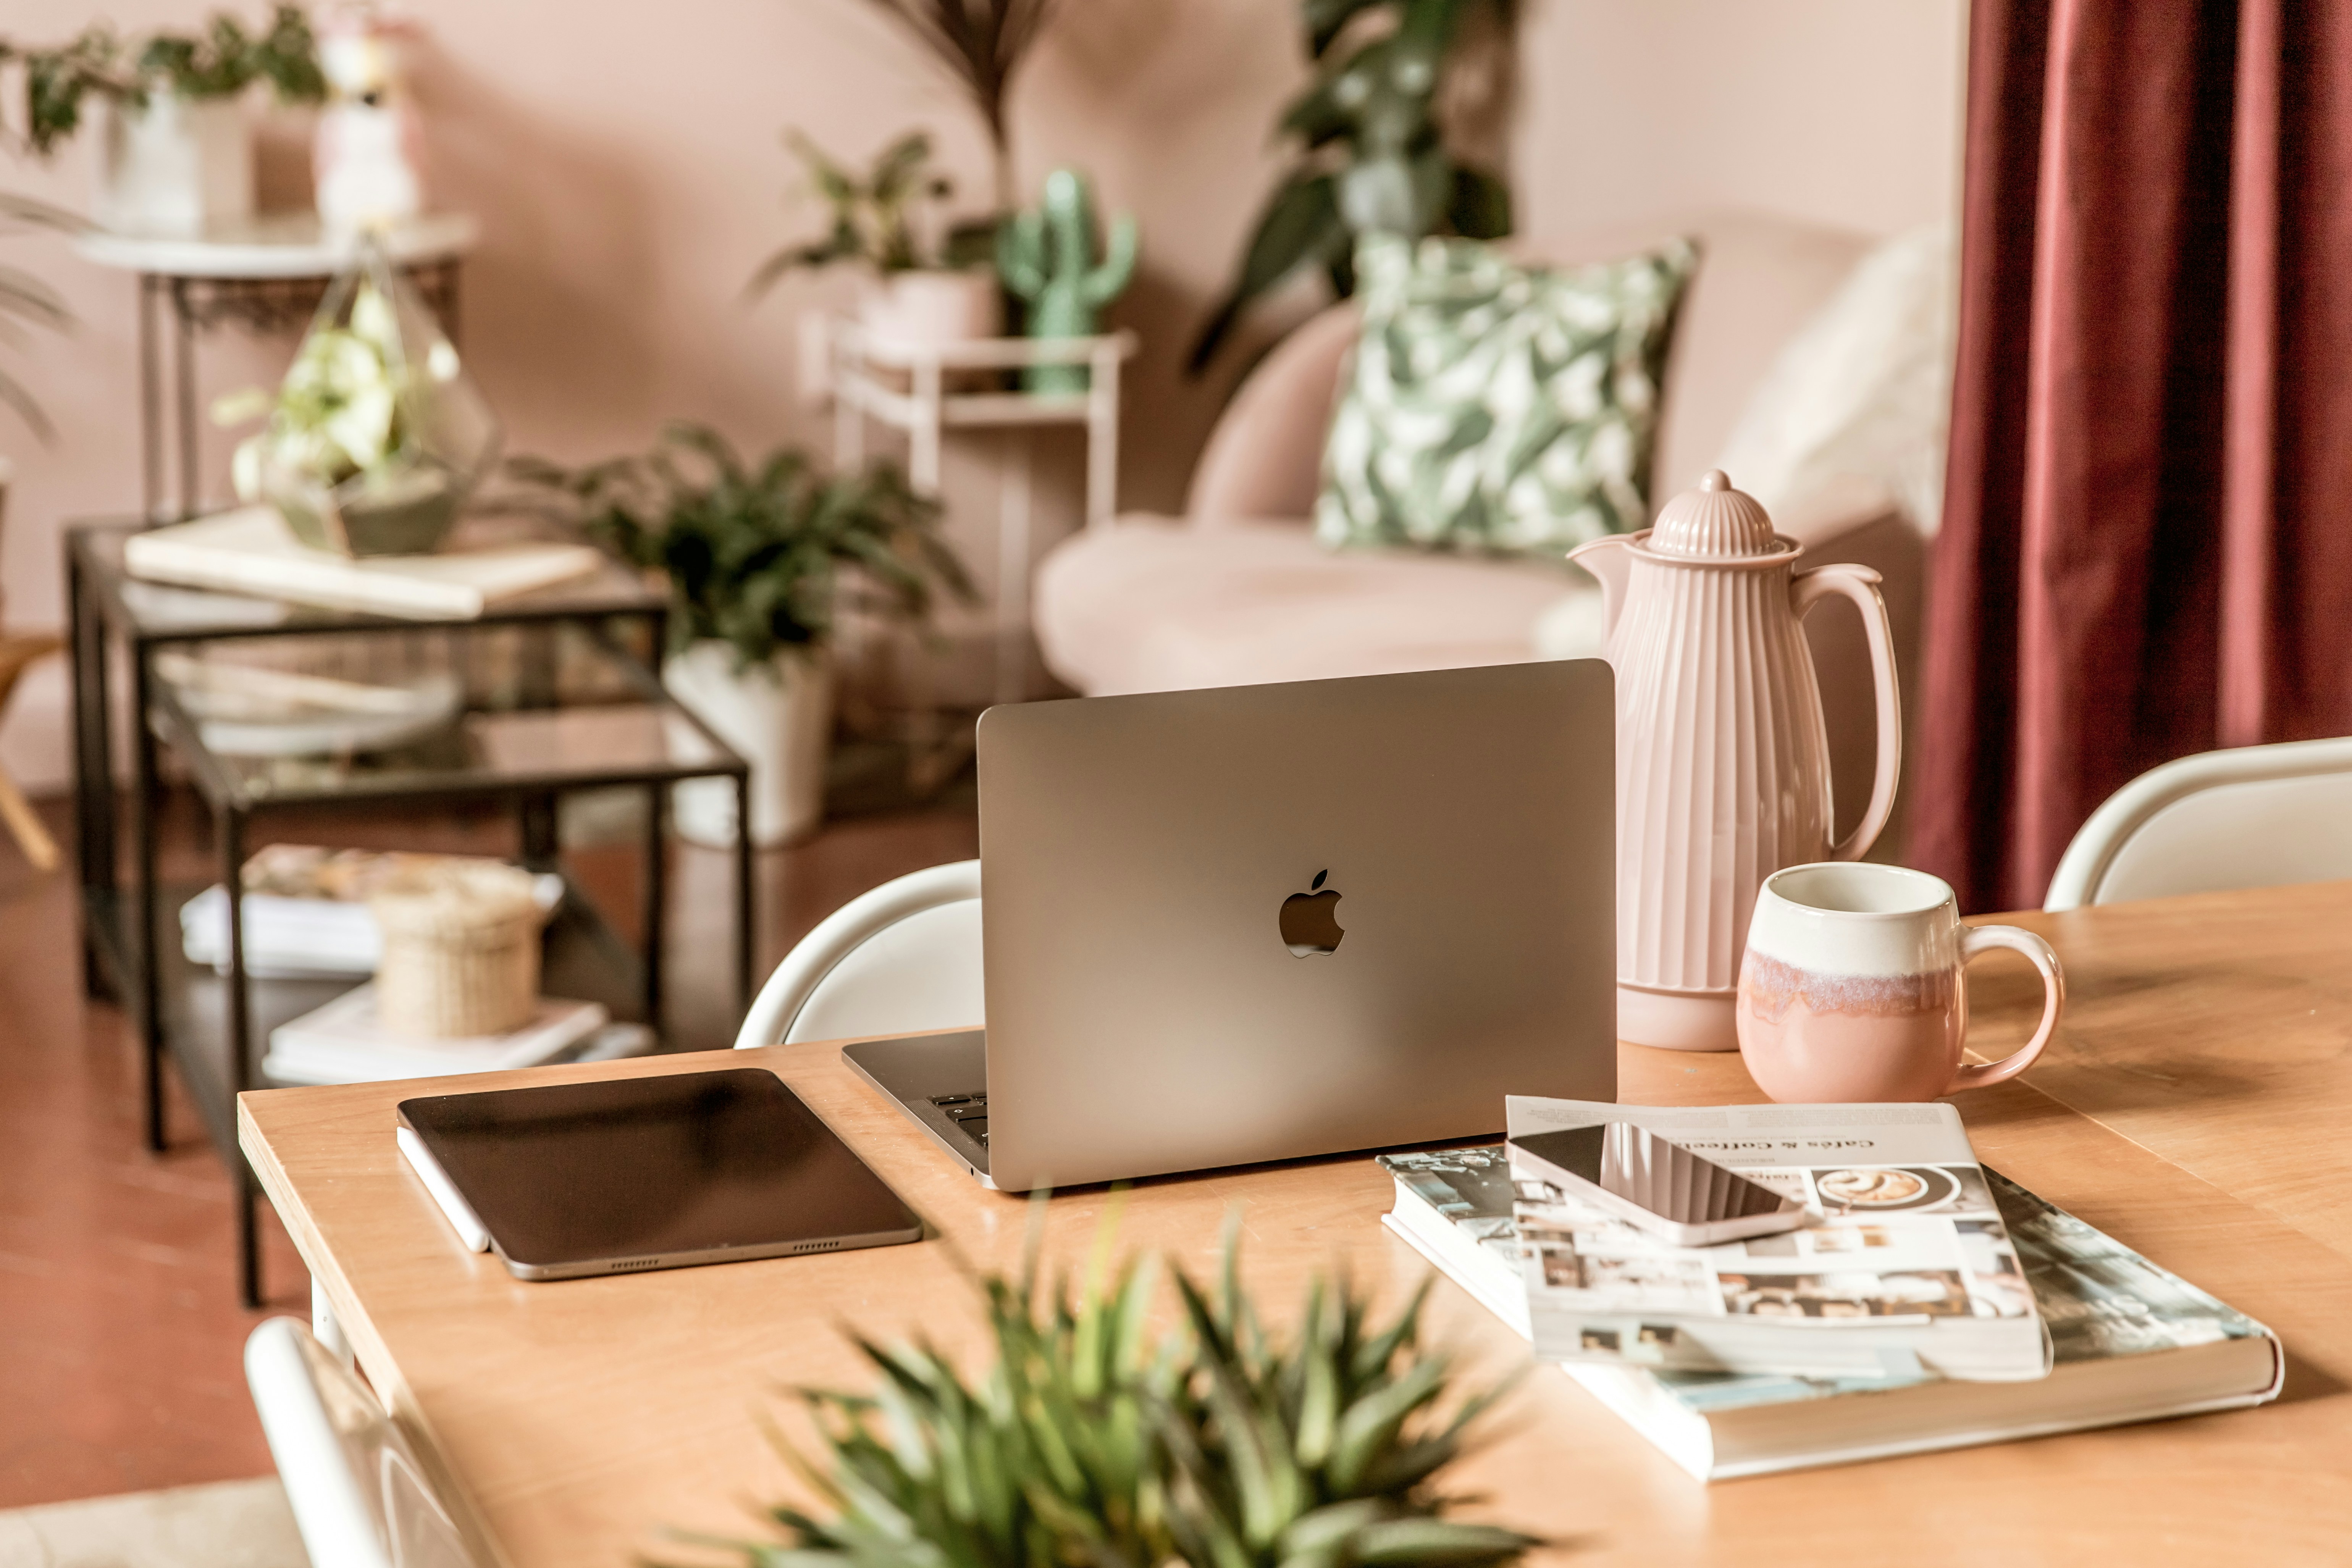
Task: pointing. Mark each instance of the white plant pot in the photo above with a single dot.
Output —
(778, 717)
(176, 167)
(924, 309)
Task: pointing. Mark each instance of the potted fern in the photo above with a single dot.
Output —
(913, 291)
(178, 151)
(760, 561)
(1219, 1444)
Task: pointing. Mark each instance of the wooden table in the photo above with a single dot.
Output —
(2195, 1108)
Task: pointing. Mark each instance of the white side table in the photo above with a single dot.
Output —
(861, 372)
(268, 272)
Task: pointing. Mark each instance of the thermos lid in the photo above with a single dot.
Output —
(1713, 522)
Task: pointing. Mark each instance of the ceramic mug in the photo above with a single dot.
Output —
(1851, 986)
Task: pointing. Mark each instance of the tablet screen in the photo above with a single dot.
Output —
(654, 1171)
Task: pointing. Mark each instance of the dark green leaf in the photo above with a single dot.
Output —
(1299, 225)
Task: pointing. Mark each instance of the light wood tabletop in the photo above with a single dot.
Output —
(569, 1423)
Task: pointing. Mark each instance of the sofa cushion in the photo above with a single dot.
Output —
(1153, 605)
(1496, 407)
(1761, 279)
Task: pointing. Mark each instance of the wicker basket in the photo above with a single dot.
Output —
(460, 952)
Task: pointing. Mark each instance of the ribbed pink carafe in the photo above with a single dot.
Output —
(1723, 762)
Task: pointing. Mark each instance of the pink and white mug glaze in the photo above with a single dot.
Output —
(1850, 987)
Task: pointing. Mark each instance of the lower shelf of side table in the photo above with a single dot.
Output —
(583, 958)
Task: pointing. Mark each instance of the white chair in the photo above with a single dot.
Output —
(2254, 817)
(901, 958)
(359, 1497)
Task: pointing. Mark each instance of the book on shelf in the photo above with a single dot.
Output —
(250, 551)
(2129, 1342)
(1901, 1259)
(343, 1043)
(306, 912)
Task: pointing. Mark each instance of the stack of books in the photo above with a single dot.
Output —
(1924, 1303)
(343, 1042)
(306, 913)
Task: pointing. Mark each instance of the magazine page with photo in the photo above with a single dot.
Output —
(1902, 1263)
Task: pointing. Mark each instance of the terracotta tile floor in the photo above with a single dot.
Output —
(120, 1336)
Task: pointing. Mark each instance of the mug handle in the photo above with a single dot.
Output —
(1974, 940)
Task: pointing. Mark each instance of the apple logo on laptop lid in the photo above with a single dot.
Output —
(1310, 921)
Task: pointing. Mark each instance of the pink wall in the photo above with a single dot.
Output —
(625, 161)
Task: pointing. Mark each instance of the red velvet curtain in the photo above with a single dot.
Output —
(2147, 546)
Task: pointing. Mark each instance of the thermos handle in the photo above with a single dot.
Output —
(1860, 584)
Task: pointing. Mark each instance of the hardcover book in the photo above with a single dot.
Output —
(250, 551)
(343, 1043)
(2130, 1341)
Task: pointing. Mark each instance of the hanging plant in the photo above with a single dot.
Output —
(1373, 149)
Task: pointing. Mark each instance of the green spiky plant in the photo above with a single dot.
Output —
(1092, 1441)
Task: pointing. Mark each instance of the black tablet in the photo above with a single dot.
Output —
(659, 1172)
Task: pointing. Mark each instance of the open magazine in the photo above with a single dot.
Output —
(1903, 1264)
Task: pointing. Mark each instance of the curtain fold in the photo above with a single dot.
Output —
(2146, 547)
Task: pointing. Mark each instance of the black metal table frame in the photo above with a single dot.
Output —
(120, 952)
(200, 303)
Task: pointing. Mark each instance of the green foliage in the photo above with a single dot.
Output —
(980, 44)
(760, 558)
(220, 62)
(26, 301)
(1091, 1441)
(872, 218)
(1369, 155)
(346, 406)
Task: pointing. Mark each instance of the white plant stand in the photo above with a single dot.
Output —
(862, 373)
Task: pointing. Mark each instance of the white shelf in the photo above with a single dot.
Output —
(862, 373)
(277, 245)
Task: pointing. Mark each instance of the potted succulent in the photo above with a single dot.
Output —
(178, 151)
(376, 436)
(1096, 1439)
(760, 560)
(914, 293)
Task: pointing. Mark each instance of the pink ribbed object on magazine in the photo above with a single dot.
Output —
(1723, 769)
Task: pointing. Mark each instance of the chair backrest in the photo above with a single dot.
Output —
(1760, 278)
(359, 1497)
(901, 958)
(2254, 817)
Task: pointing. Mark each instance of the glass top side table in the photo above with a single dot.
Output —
(548, 692)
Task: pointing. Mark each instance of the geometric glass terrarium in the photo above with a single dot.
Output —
(377, 434)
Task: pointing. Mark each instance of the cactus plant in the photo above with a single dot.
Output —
(1045, 258)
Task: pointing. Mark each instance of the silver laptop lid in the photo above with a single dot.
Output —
(1161, 876)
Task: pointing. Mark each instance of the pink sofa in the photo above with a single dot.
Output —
(1237, 591)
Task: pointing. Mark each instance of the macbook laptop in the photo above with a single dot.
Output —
(1257, 923)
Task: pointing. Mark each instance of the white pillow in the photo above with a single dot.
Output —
(1865, 390)
(1862, 392)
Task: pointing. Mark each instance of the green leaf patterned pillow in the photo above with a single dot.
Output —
(1494, 407)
